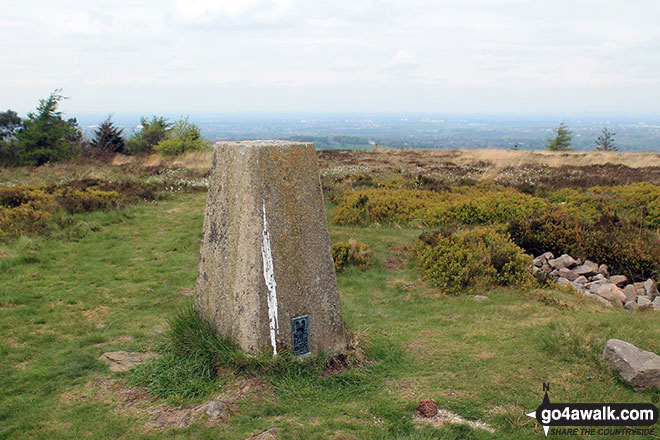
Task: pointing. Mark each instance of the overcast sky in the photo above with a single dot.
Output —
(488, 56)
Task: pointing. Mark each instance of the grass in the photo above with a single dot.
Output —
(65, 301)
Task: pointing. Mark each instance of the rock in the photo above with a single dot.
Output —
(539, 261)
(427, 408)
(563, 282)
(604, 270)
(630, 292)
(568, 274)
(656, 303)
(594, 285)
(553, 275)
(651, 288)
(562, 262)
(582, 280)
(215, 408)
(589, 268)
(269, 434)
(631, 305)
(265, 257)
(120, 361)
(639, 368)
(643, 301)
(612, 293)
(479, 298)
(546, 268)
(602, 300)
(598, 277)
(619, 280)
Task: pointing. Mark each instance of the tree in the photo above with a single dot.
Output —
(46, 136)
(184, 137)
(10, 123)
(151, 133)
(605, 142)
(108, 139)
(562, 139)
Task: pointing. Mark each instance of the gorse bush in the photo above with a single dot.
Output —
(352, 253)
(467, 205)
(27, 209)
(634, 202)
(468, 259)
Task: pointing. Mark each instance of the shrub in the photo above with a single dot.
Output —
(46, 136)
(471, 258)
(29, 217)
(27, 209)
(624, 245)
(151, 133)
(383, 206)
(467, 205)
(182, 138)
(352, 253)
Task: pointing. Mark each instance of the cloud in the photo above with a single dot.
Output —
(344, 49)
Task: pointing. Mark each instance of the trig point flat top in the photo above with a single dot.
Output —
(266, 276)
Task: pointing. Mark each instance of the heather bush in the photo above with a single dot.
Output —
(626, 246)
(27, 209)
(351, 253)
(468, 259)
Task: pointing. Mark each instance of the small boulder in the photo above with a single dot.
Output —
(604, 270)
(630, 292)
(656, 303)
(612, 293)
(539, 261)
(651, 288)
(563, 261)
(479, 298)
(563, 282)
(568, 274)
(582, 280)
(269, 434)
(637, 367)
(595, 285)
(120, 361)
(215, 408)
(603, 301)
(643, 301)
(631, 305)
(619, 280)
(589, 268)
(599, 277)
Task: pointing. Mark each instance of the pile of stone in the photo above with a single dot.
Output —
(594, 280)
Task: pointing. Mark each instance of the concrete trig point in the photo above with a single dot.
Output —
(266, 276)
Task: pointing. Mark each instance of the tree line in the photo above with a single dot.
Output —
(46, 136)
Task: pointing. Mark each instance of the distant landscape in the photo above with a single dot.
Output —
(633, 132)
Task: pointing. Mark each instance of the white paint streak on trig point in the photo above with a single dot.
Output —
(269, 277)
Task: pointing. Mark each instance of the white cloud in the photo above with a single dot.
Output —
(127, 53)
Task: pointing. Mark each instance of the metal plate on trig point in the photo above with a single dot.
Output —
(300, 332)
